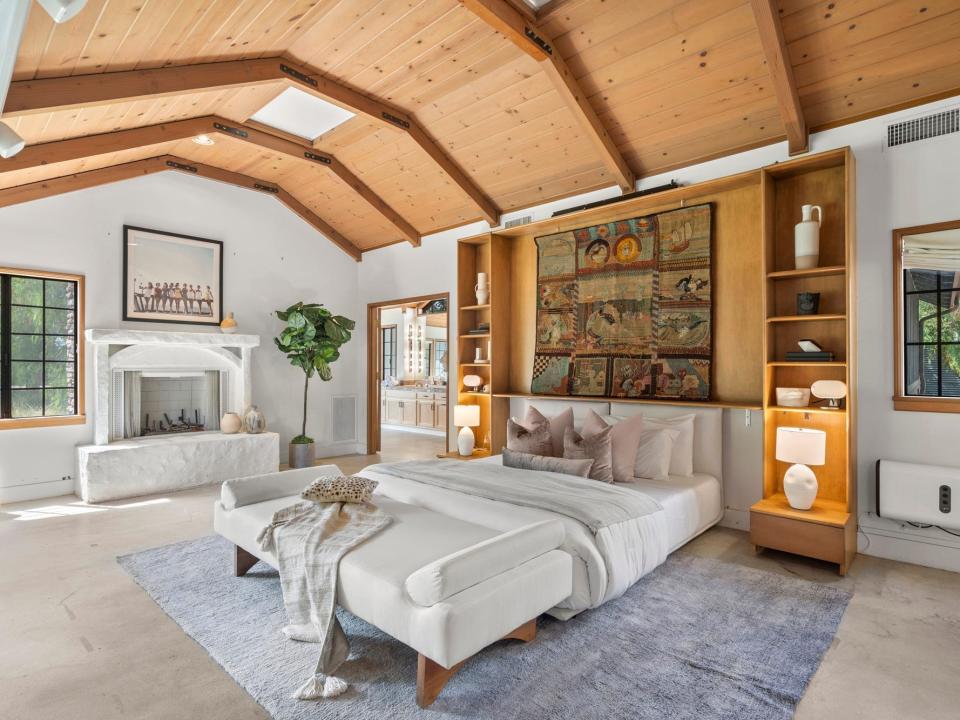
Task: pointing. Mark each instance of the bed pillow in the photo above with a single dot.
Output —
(534, 440)
(351, 489)
(681, 456)
(653, 453)
(594, 446)
(557, 425)
(625, 435)
(526, 461)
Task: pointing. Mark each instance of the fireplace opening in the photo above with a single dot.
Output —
(166, 403)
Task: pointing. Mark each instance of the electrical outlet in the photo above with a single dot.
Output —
(945, 498)
(917, 493)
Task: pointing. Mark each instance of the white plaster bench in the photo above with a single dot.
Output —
(445, 587)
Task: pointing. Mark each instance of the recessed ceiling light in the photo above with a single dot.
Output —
(298, 113)
(203, 140)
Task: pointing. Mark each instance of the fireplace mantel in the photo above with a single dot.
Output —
(121, 349)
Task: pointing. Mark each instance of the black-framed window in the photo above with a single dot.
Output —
(931, 333)
(439, 360)
(38, 347)
(388, 350)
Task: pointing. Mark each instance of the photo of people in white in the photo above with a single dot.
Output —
(172, 279)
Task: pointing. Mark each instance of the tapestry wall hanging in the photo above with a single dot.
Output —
(624, 309)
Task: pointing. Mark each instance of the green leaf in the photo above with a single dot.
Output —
(323, 370)
(296, 320)
(345, 323)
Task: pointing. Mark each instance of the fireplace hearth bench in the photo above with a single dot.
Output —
(445, 587)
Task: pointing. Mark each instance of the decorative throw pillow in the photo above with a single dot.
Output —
(526, 461)
(653, 453)
(534, 440)
(624, 440)
(681, 456)
(557, 424)
(593, 446)
(352, 489)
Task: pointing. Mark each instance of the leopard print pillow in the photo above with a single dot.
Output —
(352, 489)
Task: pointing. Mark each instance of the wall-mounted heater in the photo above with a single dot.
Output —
(923, 494)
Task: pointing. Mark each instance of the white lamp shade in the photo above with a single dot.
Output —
(10, 142)
(472, 381)
(466, 415)
(803, 446)
(829, 389)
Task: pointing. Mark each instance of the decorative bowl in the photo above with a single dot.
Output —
(793, 397)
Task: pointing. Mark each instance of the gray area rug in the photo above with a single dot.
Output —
(697, 638)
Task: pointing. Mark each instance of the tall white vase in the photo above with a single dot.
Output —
(806, 237)
(482, 288)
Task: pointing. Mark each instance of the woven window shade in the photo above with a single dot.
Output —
(932, 251)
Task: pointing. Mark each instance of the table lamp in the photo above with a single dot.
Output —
(466, 417)
(833, 391)
(802, 447)
(472, 382)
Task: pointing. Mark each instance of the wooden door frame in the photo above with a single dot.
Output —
(373, 366)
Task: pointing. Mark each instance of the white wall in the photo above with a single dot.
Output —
(271, 259)
(911, 185)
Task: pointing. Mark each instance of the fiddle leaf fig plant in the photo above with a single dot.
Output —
(311, 341)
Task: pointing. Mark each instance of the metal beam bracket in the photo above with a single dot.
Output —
(287, 70)
(533, 37)
(266, 188)
(399, 122)
(231, 130)
(318, 158)
(181, 166)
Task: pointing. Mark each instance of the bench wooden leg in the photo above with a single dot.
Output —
(431, 676)
(243, 561)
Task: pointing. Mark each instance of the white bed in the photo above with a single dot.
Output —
(610, 562)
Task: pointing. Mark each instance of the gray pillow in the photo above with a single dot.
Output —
(526, 461)
(596, 446)
(533, 440)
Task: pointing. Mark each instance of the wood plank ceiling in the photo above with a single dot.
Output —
(669, 82)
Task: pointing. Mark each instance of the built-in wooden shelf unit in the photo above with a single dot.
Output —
(828, 530)
(755, 323)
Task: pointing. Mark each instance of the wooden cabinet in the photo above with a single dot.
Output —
(425, 410)
(415, 409)
(440, 413)
(394, 411)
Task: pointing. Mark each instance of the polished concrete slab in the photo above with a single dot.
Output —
(80, 640)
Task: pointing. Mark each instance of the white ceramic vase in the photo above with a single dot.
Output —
(465, 441)
(482, 289)
(230, 423)
(800, 487)
(806, 238)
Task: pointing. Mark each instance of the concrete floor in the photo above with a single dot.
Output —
(80, 640)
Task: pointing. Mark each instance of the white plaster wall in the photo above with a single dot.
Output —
(910, 185)
(271, 259)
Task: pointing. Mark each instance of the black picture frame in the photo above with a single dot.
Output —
(141, 301)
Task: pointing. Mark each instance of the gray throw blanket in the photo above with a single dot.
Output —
(595, 504)
(309, 540)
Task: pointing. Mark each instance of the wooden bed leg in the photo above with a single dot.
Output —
(431, 676)
(243, 561)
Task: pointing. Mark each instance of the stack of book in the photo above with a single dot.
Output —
(481, 329)
(801, 356)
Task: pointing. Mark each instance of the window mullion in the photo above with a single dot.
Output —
(5, 379)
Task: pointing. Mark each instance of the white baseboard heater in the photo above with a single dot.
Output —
(922, 494)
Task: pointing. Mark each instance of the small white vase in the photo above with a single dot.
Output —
(478, 356)
(230, 423)
(253, 421)
(800, 487)
(465, 441)
(806, 238)
(482, 289)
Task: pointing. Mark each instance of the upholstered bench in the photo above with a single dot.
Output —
(445, 587)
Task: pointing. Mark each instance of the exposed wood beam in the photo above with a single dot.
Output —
(28, 97)
(91, 145)
(270, 188)
(765, 13)
(504, 18)
(307, 153)
(125, 171)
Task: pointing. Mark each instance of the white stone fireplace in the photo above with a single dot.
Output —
(159, 397)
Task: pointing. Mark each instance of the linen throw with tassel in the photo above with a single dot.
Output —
(309, 539)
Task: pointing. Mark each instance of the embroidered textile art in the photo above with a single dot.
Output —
(624, 309)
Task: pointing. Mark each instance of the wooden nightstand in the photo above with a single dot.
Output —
(477, 454)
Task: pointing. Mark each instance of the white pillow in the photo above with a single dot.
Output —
(653, 453)
(681, 456)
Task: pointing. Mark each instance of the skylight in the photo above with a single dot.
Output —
(298, 113)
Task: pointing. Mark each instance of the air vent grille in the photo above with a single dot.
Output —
(525, 220)
(344, 416)
(921, 128)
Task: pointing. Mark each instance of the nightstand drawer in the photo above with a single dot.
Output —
(824, 542)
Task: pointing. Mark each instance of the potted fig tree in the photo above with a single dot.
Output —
(311, 341)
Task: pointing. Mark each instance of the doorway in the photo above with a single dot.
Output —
(407, 376)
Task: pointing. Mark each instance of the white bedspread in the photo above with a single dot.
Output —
(605, 564)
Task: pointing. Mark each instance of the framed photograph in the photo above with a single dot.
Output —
(171, 278)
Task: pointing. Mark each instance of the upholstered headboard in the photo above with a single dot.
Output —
(707, 426)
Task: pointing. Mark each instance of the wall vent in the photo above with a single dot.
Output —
(922, 128)
(525, 220)
(343, 411)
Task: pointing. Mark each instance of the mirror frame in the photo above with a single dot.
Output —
(902, 401)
